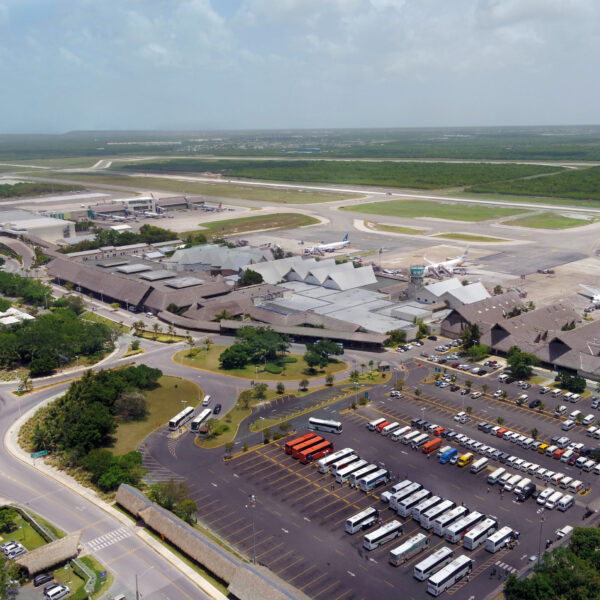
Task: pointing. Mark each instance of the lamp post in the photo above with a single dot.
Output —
(137, 591)
(541, 513)
(252, 505)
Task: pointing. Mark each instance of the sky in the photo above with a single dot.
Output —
(268, 64)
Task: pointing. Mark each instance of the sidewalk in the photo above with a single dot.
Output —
(12, 446)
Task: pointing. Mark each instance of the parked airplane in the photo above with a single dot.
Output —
(329, 247)
(592, 293)
(448, 265)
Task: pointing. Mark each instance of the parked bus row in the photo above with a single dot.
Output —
(407, 435)
(308, 448)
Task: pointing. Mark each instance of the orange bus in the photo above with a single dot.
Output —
(322, 449)
(381, 426)
(303, 438)
(431, 445)
(304, 445)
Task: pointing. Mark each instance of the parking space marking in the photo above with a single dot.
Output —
(343, 594)
(336, 582)
(302, 573)
(313, 581)
(233, 512)
(234, 523)
(240, 530)
(283, 556)
(248, 537)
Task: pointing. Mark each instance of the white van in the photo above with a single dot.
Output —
(556, 478)
(597, 470)
(533, 468)
(512, 482)
(519, 487)
(504, 479)
(565, 503)
(400, 433)
(57, 592)
(576, 486)
(553, 501)
(588, 419)
(589, 465)
(541, 473)
(575, 398)
(574, 414)
(566, 456)
(497, 474)
(563, 442)
(206, 400)
(565, 482)
(527, 443)
(544, 495)
(560, 410)
(568, 425)
(550, 450)
(556, 393)
(567, 396)
(502, 378)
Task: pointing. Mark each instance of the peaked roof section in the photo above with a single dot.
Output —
(350, 278)
(317, 275)
(441, 287)
(491, 309)
(467, 294)
(274, 271)
(220, 257)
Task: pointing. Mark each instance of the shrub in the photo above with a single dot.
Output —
(289, 359)
(273, 368)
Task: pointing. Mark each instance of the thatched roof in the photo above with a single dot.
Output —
(51, 554)
(246, 582)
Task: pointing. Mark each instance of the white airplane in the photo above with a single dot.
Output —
(330, 247)
(448, 265)
(593, 294)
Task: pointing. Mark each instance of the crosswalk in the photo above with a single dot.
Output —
(505, 567)
(108, 539)
(155, 472)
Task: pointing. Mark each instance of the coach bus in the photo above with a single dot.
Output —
(389, 428)
(432, 514)
(324, 425)
(385, 496)
(410, 548)
(372, 480)
(480, 533)
(304, 445)
(201, 417)
(372, 425)
(182, 417)
(362, 520)
(316, 452)
(433, 563)
(444, 521)
(344, 474)
(289, 446)
(405, 492)
(326, 462)
(356, 477)
(457, 530)
(499, 539)
(382, 535)
(423, 507)
(449, 575)
(342, 462)
(405, 506)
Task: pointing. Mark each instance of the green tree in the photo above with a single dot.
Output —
(478, 352)
(250, 277)
(469, 410)
(285, 427)
(396, 337)
(498, 290)
(234, 357)
(8, 519)
(229, 446)
(260, 390)
(521, 363)
(471, 335)
(485, 387)
(329, 379)
(500, 420)
(417, 392)
(157, 329)
(266, 434)
(131, 406)
(304, 384)
(280, 388)
(534, 433)
(244, 399)
(135, 345)
(9, 572)
(354, 375)
(468, 384)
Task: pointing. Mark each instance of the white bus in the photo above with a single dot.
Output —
(389, 428)
(342, 462)
(457, 530)
(342, 475)
(385, 496)
(480, 533)
(444, 521)
(427, 518)
(182, 417)
(373, 424)
(372, 480)
(499, 539)
(325, 462)
(396, 435)
(382, 535)
(493, 477)
(420, 509)
(405, 506)
(358, 475)
(201, 417)
(449, 575)
(419, 440)
(433, 563)
(405, 492)
(407, 439)
(362, 520)
(324, 425)
(412, 546)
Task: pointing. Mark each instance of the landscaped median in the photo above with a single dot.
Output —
(293, 366)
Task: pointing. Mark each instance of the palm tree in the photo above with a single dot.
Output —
(534, 433)
(207, 343)
(171, 329)
(362, 367)
(485, 387)
(157, 329)
(499, 420)
(329, 379)
(138, 326)
(229, 446)
(504, 394)
(371, 363)
(304, 384)
(189, 340)
(469, 410)
(468, 384)
(417, 392)
(541, 407)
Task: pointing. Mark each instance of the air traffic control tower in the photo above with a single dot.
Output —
(417, 277)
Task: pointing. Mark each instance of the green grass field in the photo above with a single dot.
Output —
(259, 222)
(395, 228)
(293, 371)
(92, 316)
(253, 193)
(466, 237)
(440, 210)
(532, 199)
(163, 402)
(549, 220)
(26, 535)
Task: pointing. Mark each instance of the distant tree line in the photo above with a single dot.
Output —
(36, 189)
(405, 174)
(149, 234)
